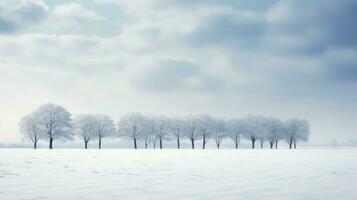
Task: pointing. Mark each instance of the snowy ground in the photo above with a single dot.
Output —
(186, 174)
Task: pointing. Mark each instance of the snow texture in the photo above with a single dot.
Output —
(301, 174)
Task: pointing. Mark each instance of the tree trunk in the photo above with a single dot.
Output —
(135, 145)
(86, 144)
(203, 142)
(160, 142)
(276, 144)
(271, 144)
(290, 143)
(51, 142)
(35, 145)
(253, 144)
(261, 145)
(236, 143)
(100, 142)
(178, 143)
(154, 143)
(193, 143)
(294, 144)
(218, 145)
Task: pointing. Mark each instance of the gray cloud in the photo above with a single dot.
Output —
(294, 27)
(318, 24)
(343, 71)
(6, 26)
(231, 29)
(256, 5)
(295, 30)
(20, 15)
(32, 12)
(173, 75)
(322, 34)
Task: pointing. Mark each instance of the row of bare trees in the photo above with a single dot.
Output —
(153, 130)
(52, 122)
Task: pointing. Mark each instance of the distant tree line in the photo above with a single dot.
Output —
(53, 122)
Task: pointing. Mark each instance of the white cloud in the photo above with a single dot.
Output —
(76, 12)
(72, 18)
(28, 16)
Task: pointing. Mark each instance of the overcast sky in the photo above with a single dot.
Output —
(227, 58)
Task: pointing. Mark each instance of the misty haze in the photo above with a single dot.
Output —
(178, 99)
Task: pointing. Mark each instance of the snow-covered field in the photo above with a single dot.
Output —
(185, 174)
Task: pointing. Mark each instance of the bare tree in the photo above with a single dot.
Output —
(162, 123)
(262, 131)
(149, 131)
(219, 131)
(274, 128)
(55, 123)
(176, 127)
(131, 125)
(30, 128)
(205, 128)
(296, 129)
(254, 125)
(84, 127)
(148, 136)
(104, 127)
(190, 124)
(236, 128)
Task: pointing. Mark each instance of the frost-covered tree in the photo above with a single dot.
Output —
(30, 128)
(131, 125)
(274, 131)
(161, 123)
(55, 123)
(176, 127)
(296, 130)
(219, 131)
(148, 136)
(148, 133)
(205, 125)
(235, 128)
(254, 126)
(84, 127)
(190, 130)
(104, 127)
(262, 131)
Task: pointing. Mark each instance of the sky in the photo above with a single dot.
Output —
(226, 58)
